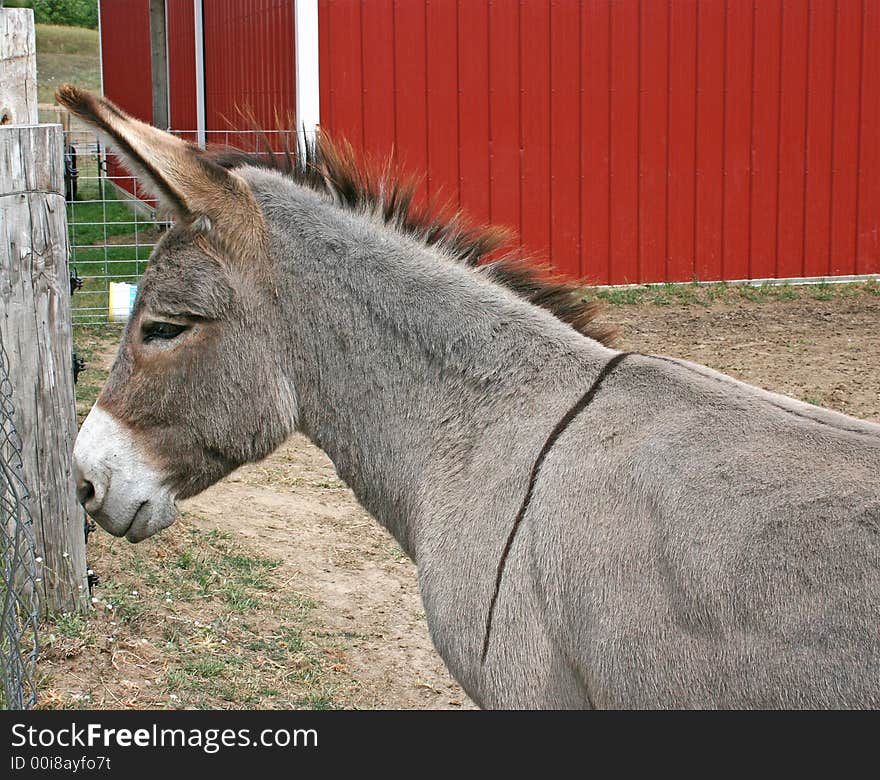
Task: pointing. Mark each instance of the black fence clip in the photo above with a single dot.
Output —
(88, 529)
(71, 174)
(78, 365)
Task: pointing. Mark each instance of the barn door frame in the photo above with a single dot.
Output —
(308, 87)
(199, 26)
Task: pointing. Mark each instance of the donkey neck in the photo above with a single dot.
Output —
(405, 363)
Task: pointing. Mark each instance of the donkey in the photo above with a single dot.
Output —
(591, 528)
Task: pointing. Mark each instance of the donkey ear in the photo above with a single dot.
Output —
(177, 172)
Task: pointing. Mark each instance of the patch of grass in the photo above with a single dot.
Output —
(624, 296)
(392, 551)
(66, 54)
(786, 292)
(100, 211)
(682, 293)
(240, 599)
(756, 294)
(823, 292)
(709, 294)
(71, 625)
(209, 667)
(204, 673)
(215, 568)
(334, 484)
(122, 238)
(127, 605)
(317, 701)
(194, 619)
(279, 646)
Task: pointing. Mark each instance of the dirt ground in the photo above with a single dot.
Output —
(825, 352)
(293, 507)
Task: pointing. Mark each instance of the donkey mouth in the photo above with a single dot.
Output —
(133, 530)
(150, 517)
(137, 528)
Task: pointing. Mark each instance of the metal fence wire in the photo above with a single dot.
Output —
(18, 589)
(113, 224)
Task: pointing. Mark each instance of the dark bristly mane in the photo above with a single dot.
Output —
(335, 169)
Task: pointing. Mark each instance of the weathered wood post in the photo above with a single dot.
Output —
(35, 320)
(159, 63)
(18, 74)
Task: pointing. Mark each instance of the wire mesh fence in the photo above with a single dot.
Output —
(113, 225)
(18, 588)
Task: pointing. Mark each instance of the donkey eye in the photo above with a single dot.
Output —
(161, 331)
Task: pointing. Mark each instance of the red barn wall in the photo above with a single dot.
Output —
(250, 62)
(627, 141)
(125, 55)
(180, 25)
(631, 141)
(127, 69)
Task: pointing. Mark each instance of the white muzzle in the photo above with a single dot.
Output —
(115, 482)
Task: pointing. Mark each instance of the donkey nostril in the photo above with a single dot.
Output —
(85, 491)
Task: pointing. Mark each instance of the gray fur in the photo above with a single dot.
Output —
(692, 541)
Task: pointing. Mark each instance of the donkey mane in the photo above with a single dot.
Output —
(335, 169)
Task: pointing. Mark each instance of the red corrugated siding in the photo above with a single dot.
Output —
(632, 141)
(181, 66)
(249, 62)
(653, 194)
(125, 55)
(868, 198)
(473, 109)
(709, 155)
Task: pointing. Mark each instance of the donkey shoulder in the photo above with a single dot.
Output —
(688, 520)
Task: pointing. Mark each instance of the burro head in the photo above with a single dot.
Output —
(197, 388)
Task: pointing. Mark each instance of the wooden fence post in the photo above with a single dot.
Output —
(35, 323)
(159, 63)
(18, 76)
